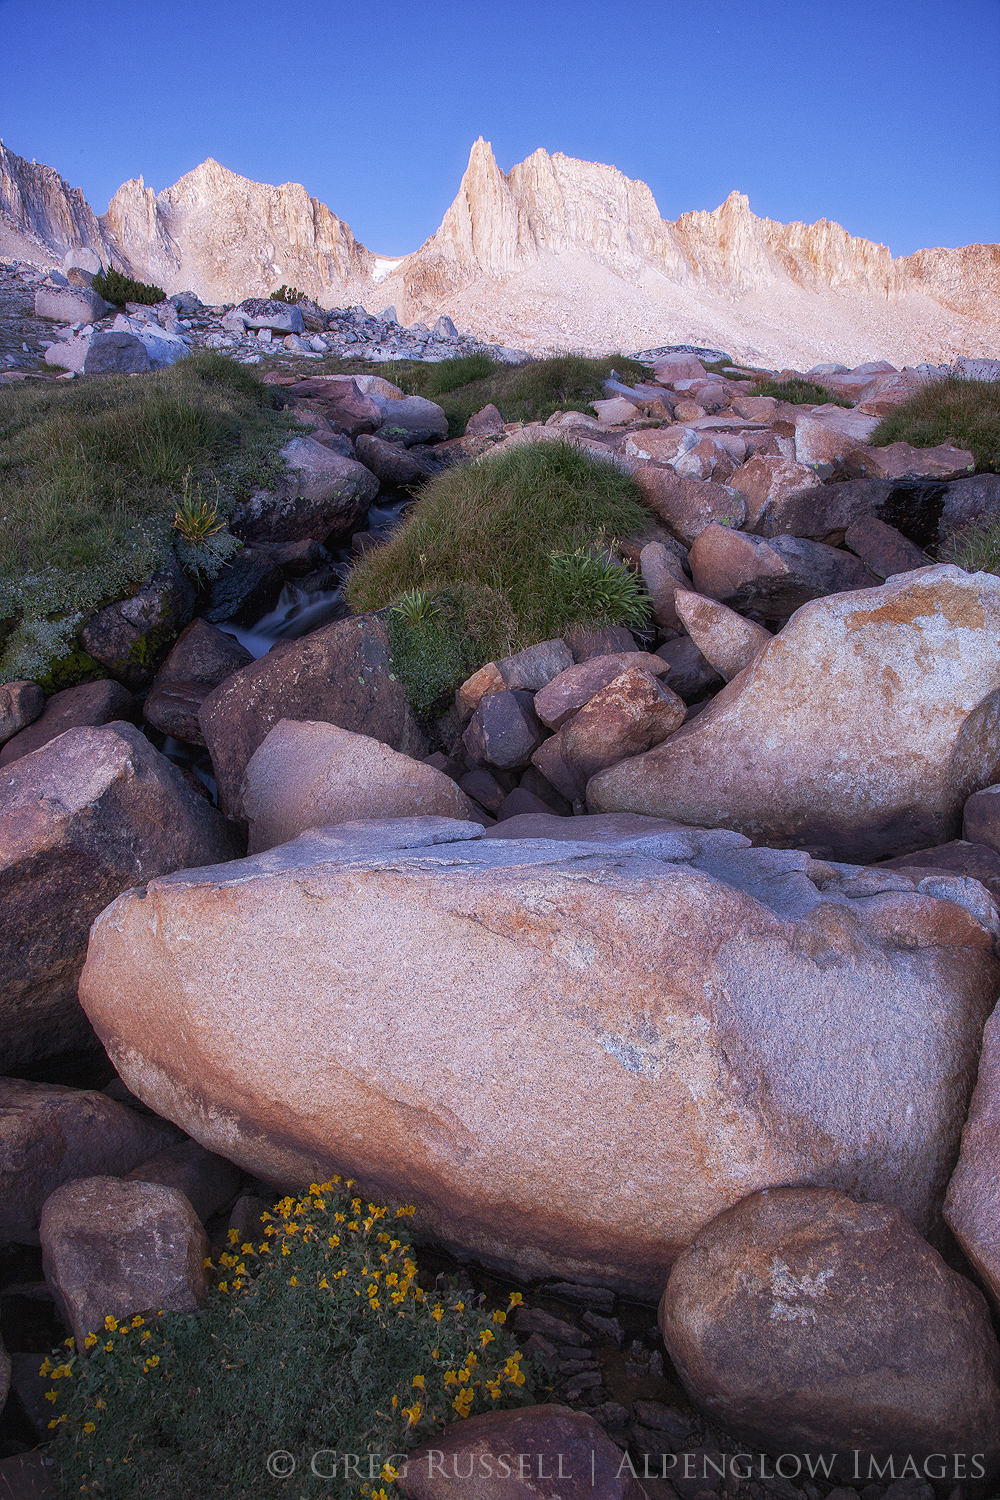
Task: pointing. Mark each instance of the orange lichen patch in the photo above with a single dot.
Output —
(956, 604)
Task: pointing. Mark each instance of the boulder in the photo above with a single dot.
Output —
(112, 1248)
(377, 385)
(173, 708)
(960, 857)
(687, 506)
(663, 445)
(322, 494)
(977, 369)
(245, 587)
(20, 705)
(202, 653)
(50, 1135)
(568, 692)
(340, 674)
(536, 666)
(725, 639)
(913, 506)
(883, 549)
(633, 712)
(661, 973)
(279, 317)
(504, 730)
(662, 574)
(87, 704)
(412, 420)
(689, 673)
(768, 480)
(66, 304)
(308, 775)
(208, 1182)
(801, 1319)
(83, 258)
(116, 352)
(69, 354)
(671, 367)
(876, 769)
(615, 410)
(881, 396)
(132, 637)
(773, 577)
(826, 434)
(482, 786)
(475, 688)
(587, 641)
(708, 459)
(488, 421)
(972, 1207)
(901, 461)
(754, 408)
(968, 500)
(391, 463)
(536, 1452)
(87, 815)
(981, 818)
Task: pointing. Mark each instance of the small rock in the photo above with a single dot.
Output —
(726, 640)
(483, 787)
(411, 420)
(535, 667)
(604, 1328)
(883, 549)
(89, 703)
(662, 574)
(20, 705)
(556, 1330)
(504, 730)
(246, 1220)
(121, 1248)
(589, 1296)
(488, 421)
(660, 1418)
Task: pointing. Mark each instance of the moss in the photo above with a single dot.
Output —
(69, 670)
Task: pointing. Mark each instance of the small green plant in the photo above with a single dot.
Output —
(417, 607)
(428, 654)
(975, 547)
(799, 393)
(594, 587)
(195, 517)
(119, 289)
(965, 413)
(289, 294)
(319, 1341)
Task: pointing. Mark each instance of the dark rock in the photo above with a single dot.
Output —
(773, 577)
(84, 818)
(588, 1296)
(89, 703)
(556, 1330)
(971, 861)
(26, 1476)
(131, 638)
(973, 499)
(883, 549)
(391, 463)
(20, 705)
(653, 1414)
(536, 666)
(606, 1329)
(912, 506)
(972, 1207)
(504, 730)
(690, 673)
(245, 1220)
(488, 420)
(203, 653)
(173, 708)
(533, 781)
(484, 788)
(586, 641)
(208, 1182)
(340, 674)
(116, 354)
(50, 1135)
(519, 802)
(981, 818)
(296, 559)
(245, 588)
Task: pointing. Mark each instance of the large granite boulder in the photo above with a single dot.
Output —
(858, 731)
(321, 494)
(571, 1055)
(340, 674)
(83, 818)
(803, 1321)
(88, 703)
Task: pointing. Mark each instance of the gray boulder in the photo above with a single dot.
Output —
(87, 704)
(322, 494)
(84, 258)
(412, 420)
(279, 317)
(132, 637)
(70, 304)
(118, 353)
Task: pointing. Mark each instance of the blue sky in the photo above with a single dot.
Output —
(881, 114)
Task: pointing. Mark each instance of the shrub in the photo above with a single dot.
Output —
(483, 537)
(290, 294)
(319, 1338)
(119, 289)
(965, 413)
(799, 392)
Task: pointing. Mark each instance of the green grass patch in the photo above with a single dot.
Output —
(965, 413)
(481, 540)
(90, 475)
(799, 393)
(318, 1340)
(974, 547)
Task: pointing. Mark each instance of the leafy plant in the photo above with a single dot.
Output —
(417, 607)
(598, 588)
(319, 1337)
(195, 517)
(290, 294)
(119, 289)
(799, 393)
(429, 654)
(965, 413)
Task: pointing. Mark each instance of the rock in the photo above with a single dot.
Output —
(614, 411)
(587, 641)
(391, 463)
(671, 367)
(296, 559)
(536, 666)
(340, 674)
(799, 1315)
(116, 352)
(876, 769)
(69, 354)
(349, 410)
(412, 420)
(767, 480)
(521, 802)
(308, 775)
(65, 304)
(881, 396)
(173, 708)
(204, 654)
(565, 694)
(631, 713)
(662, 574)
(725, 639)
(981, 818)
(20, 705)
(475, 688)
(323, 494)
(121, 1248)
(754, 408)
(247, 1221)
(482, 786)
(708, 459)
(972, 1207)
(83, 258)
(163, 347)
(660, 972)
(539, 786)
(488, 421)
(828, 509)
(245, 588)
(84, 817)
(826, 434)
(687, 506)
(87, 704)
(131, 638)
(208, 1182)
(960, 857)
(901, 461)
(689, 673)
(968, 500)
(775, 576)
(50, 1135)
(538, 1452)
(883, 549)
(504, 730)
(279, 317)
(26, 1476)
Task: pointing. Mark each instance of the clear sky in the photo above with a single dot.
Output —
(881, 114)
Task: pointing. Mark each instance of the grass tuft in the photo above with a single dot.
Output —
(799, 393)
(965, 413)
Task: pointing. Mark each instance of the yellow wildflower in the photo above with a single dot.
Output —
(233, 1236)
(450, 1377)
(294, 1281)
(46, 1364)
(324, 1285)
(418, 1381)
(223, 1286)
(90, 1426)
(437, 1313)
(333, 1241)
(137, 1322)
(485, 1337)
(516, 1300)
(412, 1414)
(110, 1323)
(51, 1395)
(247, 1250)
(109, 1346)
